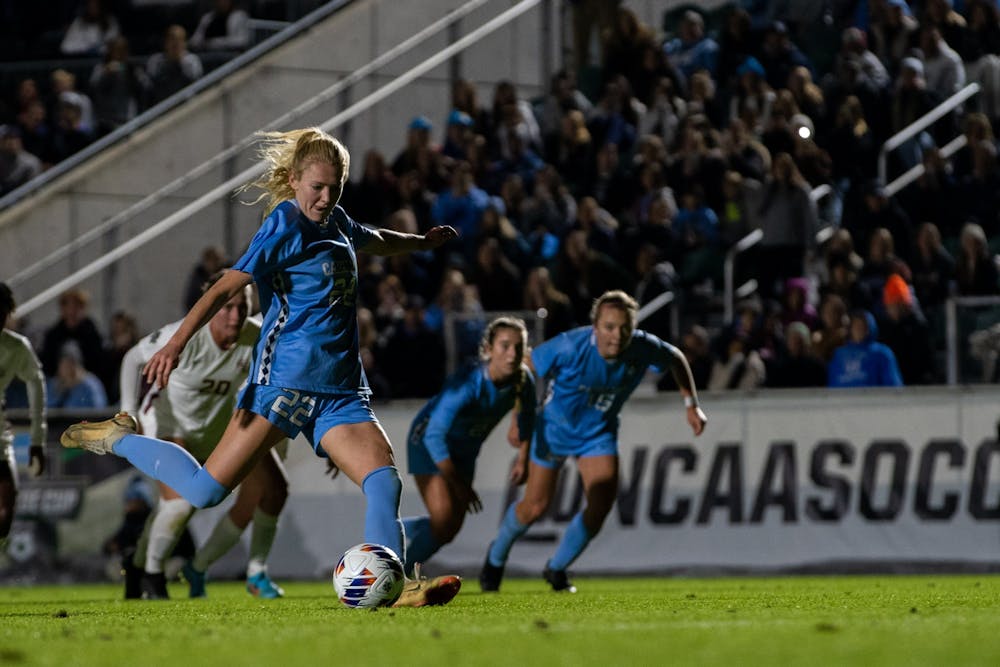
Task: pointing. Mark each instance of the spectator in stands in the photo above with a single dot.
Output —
(511, 115)
(64, 90)
(752, 99)
(212, 260)
(983, 36)
(975, 270)
(808, 96)
(832, 332)
(795, 303)
(390, 305)
(863, 362)
(736, 42)
(744, 154)
(935, 195)
(421, 155)
(416, 270)
(493, 275)
(624, 44)
(780, 56)
(520, 159)
(583, 274)
(892, 29)
(905, 331)
(615, 117)
(35, 132)
(225, 28)
(704, 100)
(852, 146)
(943, 67)
(457, 135)
(788, 220)
(880, 211)
(119, 89)
(799, 366)
(655, 277)
(665, 109)
(942, 15)
(411, 193)
(979, 191)
(461, 206)
(74, 325)
(458, 299)
(737, 366)
(553, 306)
(70, 134)
(175, 67)
(465, 98)
(933, 270)
(692, 49)
(563, 97)
(608, 180)
(854, 55)
(17, 166)
(123, 335)
(842, 280)
(590, 17)
(91, 30)
(371, 198)
(881, 262)
(696, 346)
(599, 225)
(911, 100)
(738, 213)
(696, 228)
(73, 386)
(548, 210)
(495, 224)
(571, 152)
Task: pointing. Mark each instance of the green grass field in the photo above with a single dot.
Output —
(870, 620)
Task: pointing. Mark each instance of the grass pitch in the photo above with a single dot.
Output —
(898, 620)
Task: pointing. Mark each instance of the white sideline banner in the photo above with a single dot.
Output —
(779, 480)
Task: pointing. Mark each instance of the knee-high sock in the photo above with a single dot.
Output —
(224, 537)
(165, 529)
(574, 541)
(382, 488)
(510, 531)
(265, 527)
(174, 466)
(422, 544)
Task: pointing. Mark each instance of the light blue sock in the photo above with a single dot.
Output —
(382, 488)
(510, 530)
(574, 541)
(422, 543)
(174, 466)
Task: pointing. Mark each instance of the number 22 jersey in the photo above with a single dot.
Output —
(307, 277)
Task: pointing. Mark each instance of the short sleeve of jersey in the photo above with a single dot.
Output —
(277, 241)
(359, 235)
(655, 352)
(545, 356)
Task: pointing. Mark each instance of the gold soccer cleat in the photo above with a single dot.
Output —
(424, 592)
(98, 437)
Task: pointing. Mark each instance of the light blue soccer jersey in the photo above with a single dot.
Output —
(307, 275)
(455, 423)
(586, 392)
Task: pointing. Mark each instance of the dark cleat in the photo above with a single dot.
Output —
(558, 579)
(154, 586)
(490, 576)
(133, 578)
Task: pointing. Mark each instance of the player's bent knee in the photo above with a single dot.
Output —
(205, 491)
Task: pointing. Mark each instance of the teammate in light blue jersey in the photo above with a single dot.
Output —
(306, 375)
(591, 373)
(449, 431)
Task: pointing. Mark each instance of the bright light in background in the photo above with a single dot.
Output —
(804, 132)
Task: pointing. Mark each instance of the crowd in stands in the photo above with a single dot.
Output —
(86, 67)
(645, 162)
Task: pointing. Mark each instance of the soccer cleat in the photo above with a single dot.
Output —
(154, 586)
(261, 586)
(558, 580)
(424, 592)
(98, 437)
(490, 576)
(195, 579)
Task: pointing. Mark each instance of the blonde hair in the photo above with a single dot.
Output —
(288, 153)
(515, 323)
(616, 299)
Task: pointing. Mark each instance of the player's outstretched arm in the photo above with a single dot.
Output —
(387, 242)
(681, 371)
(165, 360)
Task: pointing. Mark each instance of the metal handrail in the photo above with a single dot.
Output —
(206, 82)
(182, 181)
(919, 125)
(729, 270)
(253, 172)
(915, 172)
(655, 304)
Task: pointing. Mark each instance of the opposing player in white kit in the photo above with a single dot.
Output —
(193, 411)
(18, 360)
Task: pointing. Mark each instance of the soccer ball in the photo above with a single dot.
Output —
(368, 575)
